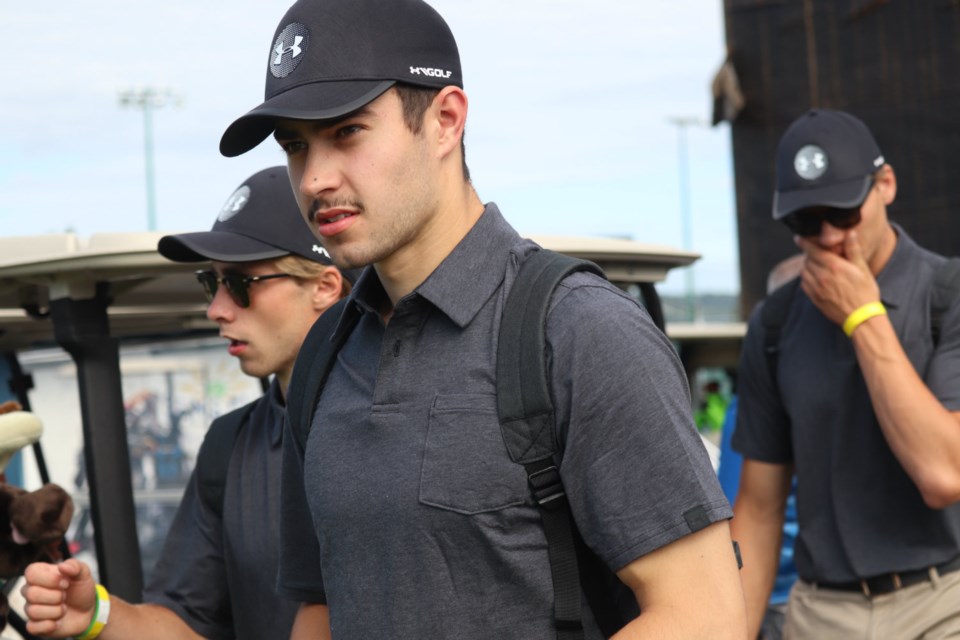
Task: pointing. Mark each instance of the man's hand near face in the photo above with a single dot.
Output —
(837, 284)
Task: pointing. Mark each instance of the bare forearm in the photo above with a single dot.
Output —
(674, 625)
(923, 435)
(760, 537)
(757, 526)
(144, 622)
(312, 623)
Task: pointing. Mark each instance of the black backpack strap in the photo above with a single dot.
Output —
(213, 459)
(523, 396)
(945, 291)
(773, 315)
(526, 419)
(312, 366)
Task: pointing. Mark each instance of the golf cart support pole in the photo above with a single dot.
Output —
(81, 328)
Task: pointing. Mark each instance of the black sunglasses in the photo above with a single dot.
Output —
(807, 222)
(238, 285)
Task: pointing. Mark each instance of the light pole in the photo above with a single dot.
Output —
(148, 99)
(686, 224)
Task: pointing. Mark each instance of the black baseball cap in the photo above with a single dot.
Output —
(259, 221)
(329, 58)
(825, 158)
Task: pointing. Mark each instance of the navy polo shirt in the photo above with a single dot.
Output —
(220, 575)
(860, 514)
(405, 513)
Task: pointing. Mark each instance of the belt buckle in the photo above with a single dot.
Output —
(893, 577)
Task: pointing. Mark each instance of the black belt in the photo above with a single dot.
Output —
(878, 585)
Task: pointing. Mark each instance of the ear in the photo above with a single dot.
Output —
(326, 289)
(887, 184)
(450, 110)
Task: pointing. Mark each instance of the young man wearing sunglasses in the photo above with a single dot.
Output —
(268, 283)
(862, 404)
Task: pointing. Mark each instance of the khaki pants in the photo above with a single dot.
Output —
(927, 611)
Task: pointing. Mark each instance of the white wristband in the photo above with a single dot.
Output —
(100, 615)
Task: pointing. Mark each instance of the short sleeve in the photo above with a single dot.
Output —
(943, 372)
(190, 576)
(299, 576)
(763, 427)
(634, 467)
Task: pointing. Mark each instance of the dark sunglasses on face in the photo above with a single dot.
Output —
(238, 285)
(807, 222)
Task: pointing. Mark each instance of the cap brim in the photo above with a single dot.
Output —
(216, 245)
(316, 101)
(843, 195)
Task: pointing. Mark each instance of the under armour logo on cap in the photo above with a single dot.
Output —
(237, 201)
(288, 50)
(810, 162)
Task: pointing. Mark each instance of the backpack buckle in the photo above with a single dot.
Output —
(547, 487)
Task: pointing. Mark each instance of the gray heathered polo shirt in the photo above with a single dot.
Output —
(220, 576)
(422, 527)
(860, 514)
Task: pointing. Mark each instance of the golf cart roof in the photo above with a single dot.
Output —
(152, 296)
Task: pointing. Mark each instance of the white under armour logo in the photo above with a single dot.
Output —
(294, 49)
(279, 63)
(237, 204)
(810, 162)
(237, 201)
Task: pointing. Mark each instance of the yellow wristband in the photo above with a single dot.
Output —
(861, 315)
(101, 613)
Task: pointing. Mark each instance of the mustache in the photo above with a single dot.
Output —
(323, 203)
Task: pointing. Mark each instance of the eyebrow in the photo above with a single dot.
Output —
(282, 132)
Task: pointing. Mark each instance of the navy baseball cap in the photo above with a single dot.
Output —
(260, 220)
(329, 58)
(825, 158)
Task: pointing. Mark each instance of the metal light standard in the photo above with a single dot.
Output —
(148, 99)
(686, 224)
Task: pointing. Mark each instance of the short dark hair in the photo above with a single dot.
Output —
(415, 101)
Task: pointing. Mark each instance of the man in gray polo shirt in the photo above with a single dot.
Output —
(862, 405)
(404, 516)
(216, 577)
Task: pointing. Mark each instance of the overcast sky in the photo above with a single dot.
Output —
(568, 130)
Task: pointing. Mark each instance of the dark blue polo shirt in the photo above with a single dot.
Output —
(220, 575)
(406, 514)
(860, 514)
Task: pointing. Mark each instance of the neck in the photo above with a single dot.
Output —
(885, 249)
(283, 381)
(409, 266)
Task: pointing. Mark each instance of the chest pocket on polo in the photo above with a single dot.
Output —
(466, 467)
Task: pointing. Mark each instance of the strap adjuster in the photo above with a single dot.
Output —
(547, 487)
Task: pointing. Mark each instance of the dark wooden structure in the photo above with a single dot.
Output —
(893, 63)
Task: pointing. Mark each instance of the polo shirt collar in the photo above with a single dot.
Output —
(463, 282)
(897, 279)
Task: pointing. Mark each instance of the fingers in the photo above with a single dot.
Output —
(74, 569)
(44, 609)
(42, 627)
(45, 598)
(49, 576)
(40, 612)
(853, 251)
(44, 591)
